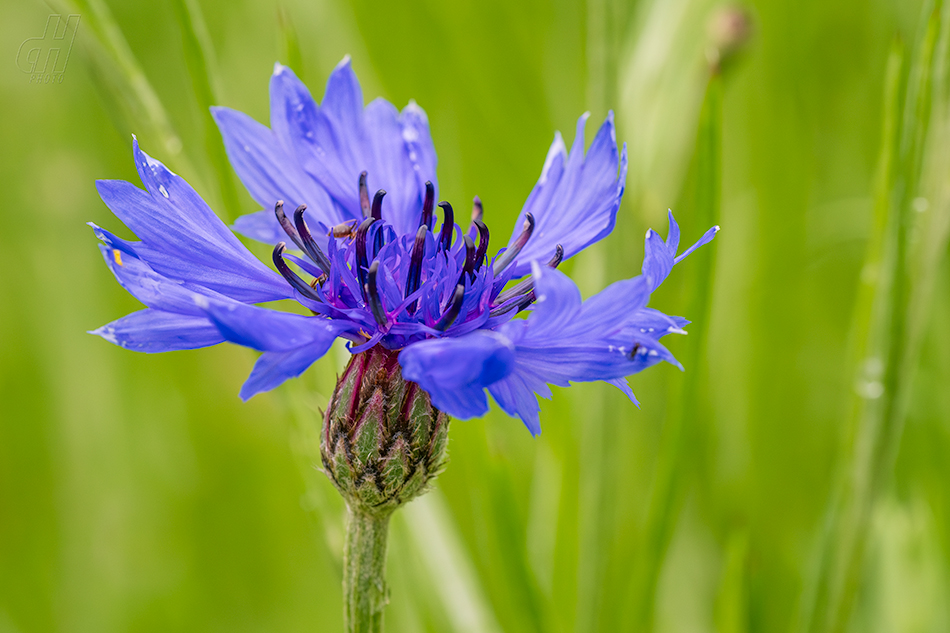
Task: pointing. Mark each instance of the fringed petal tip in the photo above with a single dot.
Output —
(624, 386)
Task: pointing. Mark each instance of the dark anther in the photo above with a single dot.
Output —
(310, 247)
(448, 225)
(519, 288)
(514, 303)
(509, 255)
(292, 278)
(372, 295)
(378, 204)
(448, 317)
(526, 300)
(525, 285)
(636, 348)
(361, 259)
(415, 264)
(428, 205)
(477, 210)
(287, 225)
(364, 195)
(469, 266)
(482, 243)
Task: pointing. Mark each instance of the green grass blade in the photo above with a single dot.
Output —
(289, 43)
(200, 60)
(816, 597)
(688, 411)
(440, 548)
(881, 333)
(126, 82)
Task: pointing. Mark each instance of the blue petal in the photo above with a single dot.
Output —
(261, 226)
(610, 308)
(182, 239)
(419, 142)
(269, 170)
(516, 396)
(657, 259)
(179, 201)
(558, 304)
(624, 386)
(152, 289)
(392, 168)
(660, 256)
(343, 99)
(316, 137)
(273, 368)
(153, 331)
(112, 241)
(338, 140)
(655, 324)
(268, 330)
(673, 235)
(705, 239)
(576, 198)
(455, 371)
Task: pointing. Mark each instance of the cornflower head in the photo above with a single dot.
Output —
(430, 314)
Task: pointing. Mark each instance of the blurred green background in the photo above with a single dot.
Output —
(794, 478)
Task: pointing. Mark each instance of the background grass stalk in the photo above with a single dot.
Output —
(365, 593)
(888, 348)
(687, 410)
(121, 79)
(200, 60)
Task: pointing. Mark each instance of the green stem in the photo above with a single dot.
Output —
(365, 594)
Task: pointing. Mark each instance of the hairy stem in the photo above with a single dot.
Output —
(365, 593)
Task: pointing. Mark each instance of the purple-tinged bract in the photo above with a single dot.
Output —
(352, 190)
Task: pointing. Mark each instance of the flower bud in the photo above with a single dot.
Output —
(729, 29)
(382, 441)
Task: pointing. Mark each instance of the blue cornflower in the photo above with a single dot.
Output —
(382, 270)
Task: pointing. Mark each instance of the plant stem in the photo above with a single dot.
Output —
(365, 594)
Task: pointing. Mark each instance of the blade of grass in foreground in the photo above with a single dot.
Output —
(289, 43)
(123, 81)
(200, 60)
(687, 400)
(890, 314)
(815, 601)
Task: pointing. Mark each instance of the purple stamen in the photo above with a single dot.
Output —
(377, 211)
(372, 292)
(361, 260)
(415, 264)
(469, 266)
(428, 205)
(292, 278)
(518, 302)
(364, 195)
(287, 225)
(452, 313)
(482, 243)
(509, 255)
(527, 284)
(448, 225)
(310, 247)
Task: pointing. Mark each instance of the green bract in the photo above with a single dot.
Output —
(382, 441)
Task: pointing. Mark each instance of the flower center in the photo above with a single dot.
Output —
(401, 288)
